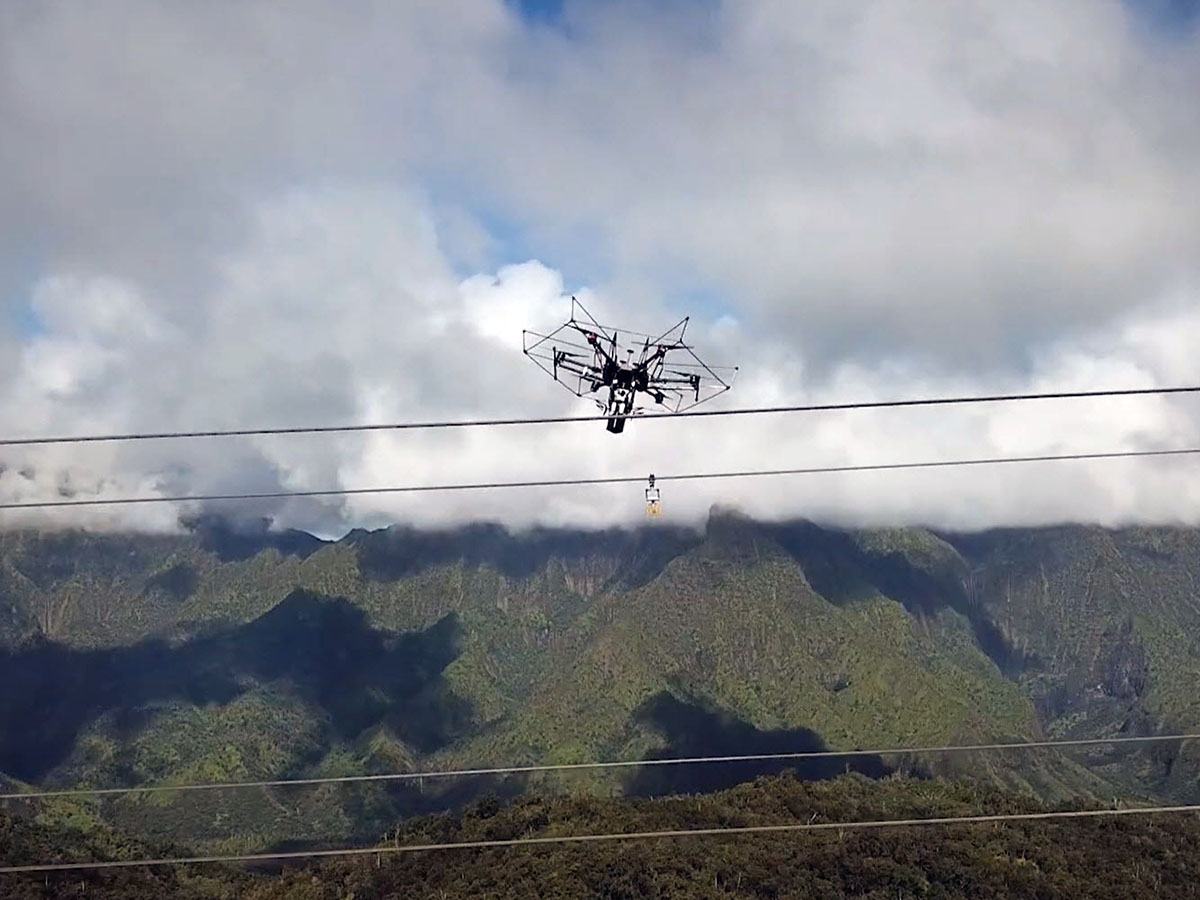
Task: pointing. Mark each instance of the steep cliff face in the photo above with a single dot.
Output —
(1104, 619)
(218, 655)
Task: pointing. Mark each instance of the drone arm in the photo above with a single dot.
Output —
(595, 341)
(575, 367)
(690, 381)
(686, 380)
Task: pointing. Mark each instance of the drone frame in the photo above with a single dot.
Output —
(560, 353)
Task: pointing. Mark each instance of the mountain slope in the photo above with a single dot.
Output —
(224, 656)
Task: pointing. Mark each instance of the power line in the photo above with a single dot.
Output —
(622, 479)
(691, 413)
(616, 764)
(724, 831)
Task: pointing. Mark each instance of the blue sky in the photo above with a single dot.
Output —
(1173, 17)
(539, 10)
(1176, 17)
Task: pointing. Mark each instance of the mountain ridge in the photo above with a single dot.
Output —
(218, 655)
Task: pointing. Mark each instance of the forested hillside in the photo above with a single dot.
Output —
(1109, 859)
(133, 659)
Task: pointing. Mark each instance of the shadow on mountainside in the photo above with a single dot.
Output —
(177, 583)
(323, 649)
(692, 730)
(401, 552)
(234, 541)
(842, 571)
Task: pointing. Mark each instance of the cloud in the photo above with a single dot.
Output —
(893, 176)
(272, 214)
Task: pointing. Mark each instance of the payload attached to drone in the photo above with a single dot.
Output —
(587, 357)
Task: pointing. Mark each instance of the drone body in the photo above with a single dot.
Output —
(596, 365)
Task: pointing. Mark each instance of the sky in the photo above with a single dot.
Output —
(271, 213)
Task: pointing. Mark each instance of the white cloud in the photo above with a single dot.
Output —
(950, 179)
(257, 214)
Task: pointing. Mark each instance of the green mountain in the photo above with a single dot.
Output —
(216, 655)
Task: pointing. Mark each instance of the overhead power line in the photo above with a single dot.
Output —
(724, 831)
(616, 764)
(550, 420)
(623, 479)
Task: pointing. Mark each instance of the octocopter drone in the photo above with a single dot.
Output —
(587, 358)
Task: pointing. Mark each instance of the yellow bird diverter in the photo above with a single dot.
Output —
(653, 500)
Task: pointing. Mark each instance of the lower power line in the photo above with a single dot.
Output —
(623, 479)
(731, 831)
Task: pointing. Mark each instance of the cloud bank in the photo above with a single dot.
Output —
(271, 214)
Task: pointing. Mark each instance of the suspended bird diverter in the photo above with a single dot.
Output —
(653, 500)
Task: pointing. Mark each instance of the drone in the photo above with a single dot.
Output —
(587, 358)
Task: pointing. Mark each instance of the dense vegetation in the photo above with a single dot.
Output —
(24, 841)
(217, 655)
(1122, 859)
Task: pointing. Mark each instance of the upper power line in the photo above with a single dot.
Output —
(620, 479)
(550, 420)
